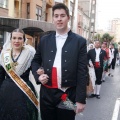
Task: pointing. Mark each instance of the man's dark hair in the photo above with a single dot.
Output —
(113, 44)
(60, 6)
(96, 41)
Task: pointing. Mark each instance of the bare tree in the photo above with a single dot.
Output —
(43, 16)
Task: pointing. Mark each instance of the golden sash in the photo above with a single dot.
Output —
(18, 80)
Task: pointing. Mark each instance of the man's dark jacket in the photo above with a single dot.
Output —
(74, 61)
(92, 56)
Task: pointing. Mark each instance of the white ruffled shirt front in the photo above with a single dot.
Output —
(60, 41)
(97, 50)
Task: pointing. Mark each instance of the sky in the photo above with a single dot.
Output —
(106, 11)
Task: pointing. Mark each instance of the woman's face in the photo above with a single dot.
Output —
(91, 47)
(17, 40)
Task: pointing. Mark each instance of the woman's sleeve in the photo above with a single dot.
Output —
(2, 74)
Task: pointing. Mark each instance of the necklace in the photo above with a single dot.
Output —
(15, 63)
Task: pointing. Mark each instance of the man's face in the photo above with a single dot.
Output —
(60, 19)
(103, 46)
(111, 46)
(97, 44)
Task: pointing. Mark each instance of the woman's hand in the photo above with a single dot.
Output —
(40, 71)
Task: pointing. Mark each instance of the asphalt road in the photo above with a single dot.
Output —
(103, 109)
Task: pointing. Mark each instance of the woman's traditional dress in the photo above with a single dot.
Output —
(15, 103)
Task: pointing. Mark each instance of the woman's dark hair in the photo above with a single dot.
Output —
(18, 30)
(60, 6)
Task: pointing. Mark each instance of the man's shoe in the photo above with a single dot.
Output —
(98, 96)
(109, 74)
(92, 96)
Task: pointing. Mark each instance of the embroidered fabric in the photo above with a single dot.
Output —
(24, 61)
(14, 104)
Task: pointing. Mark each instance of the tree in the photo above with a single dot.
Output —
(119, 42)
(97, 37)
(107, 38)
(43, 16)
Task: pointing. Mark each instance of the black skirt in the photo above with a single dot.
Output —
(14, 104)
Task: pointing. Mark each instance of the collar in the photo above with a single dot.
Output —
(61, 36)
(97, 49)
(64, 36)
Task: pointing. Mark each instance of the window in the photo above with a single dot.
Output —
(94, 1)
(1, 38)
(28, 10)
(93, 11)
(38, 12)
(70, 20)
(71, 6)
(4, 3)
(92, 20)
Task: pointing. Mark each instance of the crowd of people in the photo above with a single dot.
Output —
(61, 64)
(101, 63)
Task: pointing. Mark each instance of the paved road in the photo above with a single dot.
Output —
(102, 109)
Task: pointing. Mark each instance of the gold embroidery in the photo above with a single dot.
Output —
(24, 87)
(14, 64)
(20, 83)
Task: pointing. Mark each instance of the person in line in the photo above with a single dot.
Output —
(0, 49)
(107, 61)
(63, 56)
(114, 52)
(17, 95)
(118, 57)
(97, 55)
(91, 72)
(90, 46)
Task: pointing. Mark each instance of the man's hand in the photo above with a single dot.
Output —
(80, 107)
(43, 78)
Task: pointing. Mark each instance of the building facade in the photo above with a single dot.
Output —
(25, 14)
(80, 13)
(84, 7)
(115, 28)
(92, 20)
(83, 23)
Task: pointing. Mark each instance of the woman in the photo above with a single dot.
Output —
(17, 94)
(92, 75)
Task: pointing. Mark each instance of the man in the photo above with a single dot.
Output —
(114, 53)
(107, 60)
(97, 56)
(63, 56)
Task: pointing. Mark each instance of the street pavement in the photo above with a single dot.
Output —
(100, 109)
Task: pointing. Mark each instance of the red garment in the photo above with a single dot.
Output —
(54, 79)
(97, 64)
(107, 53)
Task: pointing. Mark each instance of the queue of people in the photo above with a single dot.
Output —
(103, 60)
